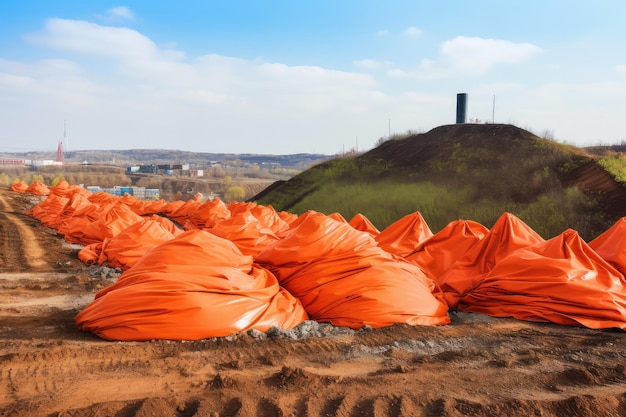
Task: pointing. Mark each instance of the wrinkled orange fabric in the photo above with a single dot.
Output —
(19, 187)
(49, 210)
(38, 188)
(126, 248)
(611, 245)
(561, 280)
(116, 220)
(245, 231)
(194, 286)
(404, 236)
(268, 217)
(437, 254)
(508, 234)
(343, 272)
(341, 276)
(209, 213)
(362, 223)
(184, 212)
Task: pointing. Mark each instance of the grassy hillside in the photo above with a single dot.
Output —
(463, 171)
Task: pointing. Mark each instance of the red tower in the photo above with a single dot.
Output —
(60, 156)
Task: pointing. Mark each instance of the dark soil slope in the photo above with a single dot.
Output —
(498, 162)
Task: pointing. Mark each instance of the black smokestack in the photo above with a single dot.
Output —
(461, 108)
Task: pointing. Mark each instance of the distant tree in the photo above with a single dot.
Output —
(234, 193)
(57, 180)
(228, 180)
(36, 177)
(4, 179)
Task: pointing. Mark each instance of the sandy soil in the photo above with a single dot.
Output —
(478, 366)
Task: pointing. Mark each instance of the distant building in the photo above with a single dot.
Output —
(7, 161)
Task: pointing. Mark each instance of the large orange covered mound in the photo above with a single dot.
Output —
(343, 277)
(561, 280)
(194, 286)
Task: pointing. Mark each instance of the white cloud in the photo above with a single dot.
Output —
(467, 56)
(90, 38)
(620, 69)
(122, 12)
(412, 31)
(371, 64)
(382, 32)
(478, 55)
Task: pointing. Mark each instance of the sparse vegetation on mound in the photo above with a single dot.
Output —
(474, 172)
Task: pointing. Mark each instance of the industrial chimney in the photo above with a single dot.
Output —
(461, 108)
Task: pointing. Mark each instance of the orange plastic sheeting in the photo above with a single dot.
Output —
(437, 254)
(102, 198)
(404, 236)
(19, 187)
(239, 207)
(341, 276)
(269, 218)
(362, 223)
(38, 188)
(208, 214)
(287, 217)
(184, 212)
(611, 245)
(49, 210)
(561, 280)
(166, 223)
(143, 207)
(63, 189)
(125, 249)
(77, 215)
(507, 235)
(116, 220)
(194, 286)
(245, 231)
(171, 207)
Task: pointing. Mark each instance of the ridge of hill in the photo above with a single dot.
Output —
(468, 171)
(166, 156)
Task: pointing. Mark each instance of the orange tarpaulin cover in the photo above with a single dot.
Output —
(506, 236)
(19, 187)
(208, 214)
(245, 231)
(38, 188)
(404, 236)
(341, 276)
(49, 210)
(125, 249)
(194, 286)
(362, 223)
(438, 253)
(561, 280)
(611, 245)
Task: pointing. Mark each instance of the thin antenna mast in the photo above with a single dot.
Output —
(65, 140)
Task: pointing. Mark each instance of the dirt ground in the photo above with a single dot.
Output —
(477, 365)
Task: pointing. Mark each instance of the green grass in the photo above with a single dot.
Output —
(616, 165)
(470, 173)
(385, 201)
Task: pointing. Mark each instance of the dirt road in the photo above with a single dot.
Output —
(476, 366)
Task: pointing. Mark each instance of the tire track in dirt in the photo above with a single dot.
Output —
(20, 246)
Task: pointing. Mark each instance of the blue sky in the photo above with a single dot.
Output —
(280, 77)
